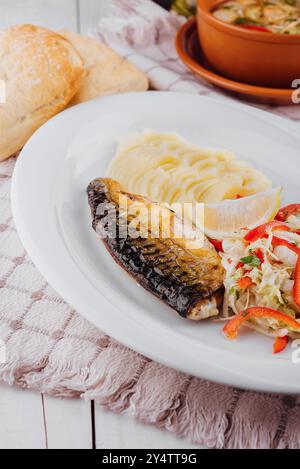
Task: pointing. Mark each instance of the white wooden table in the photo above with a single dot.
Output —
(32, 420)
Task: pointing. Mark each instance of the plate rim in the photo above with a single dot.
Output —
(53, 279)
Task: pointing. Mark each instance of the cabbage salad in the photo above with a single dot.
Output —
(262, 285)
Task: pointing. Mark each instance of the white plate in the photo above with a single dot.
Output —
(53, 220)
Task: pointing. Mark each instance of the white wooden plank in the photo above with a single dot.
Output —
(21, 417)
(53, 14)
(68, 423)
(123, 432)
(90, 12)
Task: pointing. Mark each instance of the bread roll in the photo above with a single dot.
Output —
(42, 72)
(106, 72)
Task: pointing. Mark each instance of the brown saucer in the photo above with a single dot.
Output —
(189, 50)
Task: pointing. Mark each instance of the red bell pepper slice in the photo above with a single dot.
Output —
(218, 244)
(261, 230)
(256, 28)
(285, 212)
(259, 254)
(296, 288)
(280, 344)
(232, 327)
(244, 282)
(283, 242)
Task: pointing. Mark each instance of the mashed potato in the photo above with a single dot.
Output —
(168, 169)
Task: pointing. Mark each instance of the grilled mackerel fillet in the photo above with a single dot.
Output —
(188, 280)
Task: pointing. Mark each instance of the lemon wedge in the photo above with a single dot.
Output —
(227, 218)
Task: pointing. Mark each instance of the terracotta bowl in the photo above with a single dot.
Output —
(253, 57)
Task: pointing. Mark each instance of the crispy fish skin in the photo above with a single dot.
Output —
(189, 281)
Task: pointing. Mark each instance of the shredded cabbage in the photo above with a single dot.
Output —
(272, 280)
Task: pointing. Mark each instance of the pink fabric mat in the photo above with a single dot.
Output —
(50, 348)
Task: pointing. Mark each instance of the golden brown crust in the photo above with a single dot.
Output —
(190, 280)
(106, 71)
(42, 71)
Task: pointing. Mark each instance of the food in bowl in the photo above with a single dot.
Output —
(277, 16)
(247, 56)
